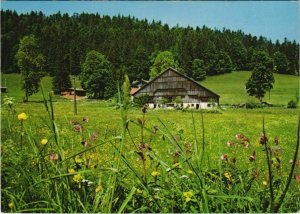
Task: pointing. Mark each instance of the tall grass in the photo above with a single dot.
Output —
(121, 172)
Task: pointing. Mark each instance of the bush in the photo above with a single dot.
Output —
(142, 100)
(292, 104)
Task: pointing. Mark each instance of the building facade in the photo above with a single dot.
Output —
(173, 89)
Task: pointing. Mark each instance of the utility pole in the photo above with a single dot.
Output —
(75, 104)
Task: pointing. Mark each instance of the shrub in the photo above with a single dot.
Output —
(292, 104)
(142, 100)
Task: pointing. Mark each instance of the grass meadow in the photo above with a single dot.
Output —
(114, 157)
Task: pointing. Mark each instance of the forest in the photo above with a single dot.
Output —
(131, 45)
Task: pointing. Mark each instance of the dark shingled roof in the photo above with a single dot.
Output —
(184, 76)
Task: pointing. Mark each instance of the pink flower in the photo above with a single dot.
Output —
(53, 157)
(78, 128)
(94, 136)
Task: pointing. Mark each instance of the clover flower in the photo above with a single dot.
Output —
(44, 141)
(78, 128)
(22, 116)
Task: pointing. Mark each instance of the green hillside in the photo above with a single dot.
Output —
(231, 88)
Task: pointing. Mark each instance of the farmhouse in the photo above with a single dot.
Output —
(172, 89)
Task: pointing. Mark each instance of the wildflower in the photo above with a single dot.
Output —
(224, 157)
(190, 172)
(94, 136)
(84, 143)
(78, 128)
(291, 161)
(71, 170)
(229, 144)
(155, 173)
(53, 157)
(22, 116)
(139, 191)
(263, 139)
(98, 188)
(78, 160)
(177, 165)
(265, 183)
(252, 157)
(85, 119)
(44, 141)
(228, 176)
(188, 196)
(11, 205)
(77, 178)
(239, 136)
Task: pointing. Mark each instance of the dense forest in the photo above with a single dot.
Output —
(131, 45)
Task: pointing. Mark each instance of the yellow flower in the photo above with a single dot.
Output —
(177, 165)
(78, 160)
(190, 172)
(228, 176)
(188, 194)
(22, 116)
(155, 173)
(98, 189)
(265, 183)
(139, 191)
(77, 178)
(11, 205)
(187, 199)
(71, 170)
(44, 141)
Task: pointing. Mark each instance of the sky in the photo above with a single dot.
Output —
(274, 20)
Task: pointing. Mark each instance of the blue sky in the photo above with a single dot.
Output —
(274, 20)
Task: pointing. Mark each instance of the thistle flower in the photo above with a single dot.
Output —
(155, 174)
(22, 116)
(44, 141)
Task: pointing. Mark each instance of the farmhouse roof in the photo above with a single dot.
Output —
(184, 76)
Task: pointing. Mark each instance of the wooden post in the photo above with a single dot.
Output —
(75, 104)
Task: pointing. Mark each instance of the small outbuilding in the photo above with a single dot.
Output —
(173, 89)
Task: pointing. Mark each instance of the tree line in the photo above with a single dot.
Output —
(138, 48)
